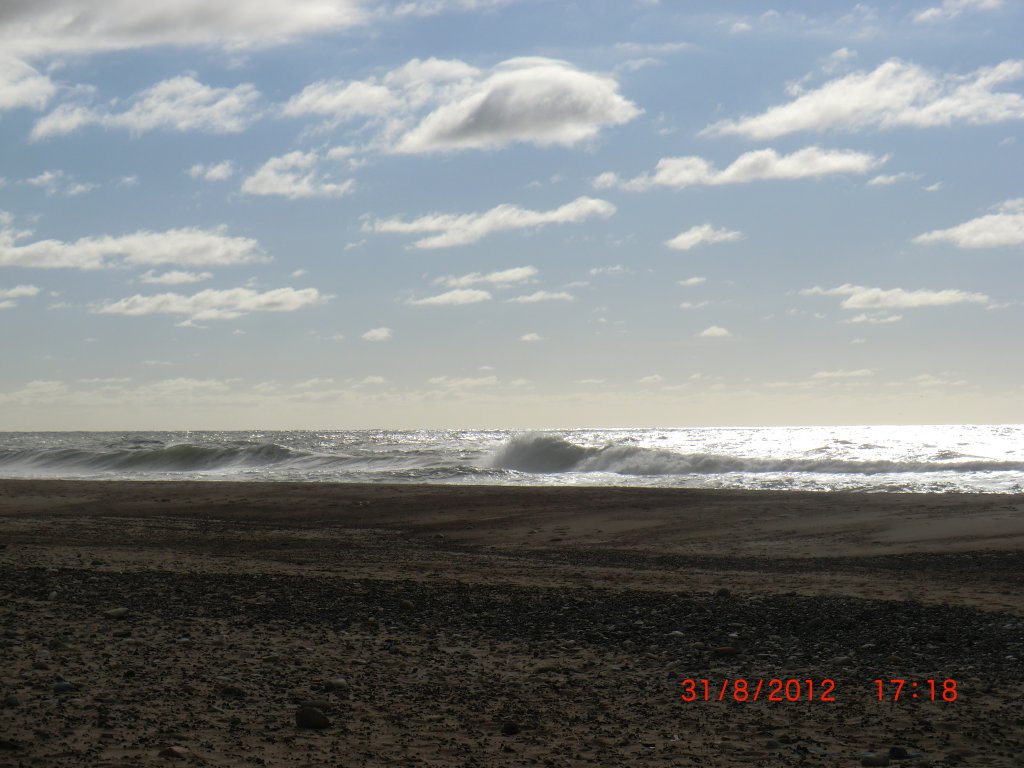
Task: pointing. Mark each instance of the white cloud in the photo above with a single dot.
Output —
(702, 234)
(950, 9)
(58, 27)
(455, 297)
(372, 380)
(532, 100)
(294, 176)
(844, 374)
(433, 7)
(654, 378)
(714, 332)
(212, 172)
(19, 292)
(876, 319)
(690, 282)
(500, 279)
(342, 100)
(894, 94)
(58, 182)
(214, 304)
(175, 277)
(1005, 227)
(758, 165)
(933, 187)
(190, 247)
(22, 86)
(614, 269)
(863, 297)
(537, 296)
(471, 227)
(530, 337)
(887, 180)
(694, 304)
(463, 383)
(179, 104)
(378, 334)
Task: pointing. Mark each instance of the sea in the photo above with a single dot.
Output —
(920, 459)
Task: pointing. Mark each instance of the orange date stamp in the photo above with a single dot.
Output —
(793, 689)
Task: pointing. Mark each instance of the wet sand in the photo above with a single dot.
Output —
(187, 623)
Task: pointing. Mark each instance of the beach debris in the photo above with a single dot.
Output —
(116, 613)
(311, 718)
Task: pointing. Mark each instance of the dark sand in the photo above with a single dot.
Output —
(446, 616)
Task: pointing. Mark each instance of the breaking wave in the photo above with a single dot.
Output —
(176, 458)
(546, 453)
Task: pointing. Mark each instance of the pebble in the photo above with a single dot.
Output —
(63, 686)
(877, 760)
(311, 717)
(12, 701)
(898, 753)
(725, 650)
(676, 633)
(116, 613)
(406, 604)
(723, 592)
(510, 728)
(336, 684)
(176, 752)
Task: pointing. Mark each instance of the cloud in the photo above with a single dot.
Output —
(876, 319)
(214, 304)
(294, 176)
(758, 165)
(19, 292)
(887, 180)
(213, 172)
(58, 182)
(531, 337)
(844, 374)
(895, 94)
(342, 100)
(472, 227)
(190, 247)
(1005, 227)
(692, 281)
(531, 100)
(434, 7)
(179, 104)
(862, 297)
(500, 279)
(537, 296)
(378, 334)
(714, 332)
(614, 269)
(463, 383)
(694, 304)
(455, 297)
(950, 9)
(58, 27)
(22, 86)
(702, 234)
(654, 378)
(174, 277)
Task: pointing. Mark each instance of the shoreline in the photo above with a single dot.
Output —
(496, 626)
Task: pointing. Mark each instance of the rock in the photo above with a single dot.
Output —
(12, 701)
(175, 752)
(406, 604)
(510, 728)
(40, 665)
(336, 684)
(676, 633)
(232, 692)
(9, 744)
(722, 592)
(311, 717)
(725, 650)
(63, 686)
(116, 613)
(877, 760)
(898, 753)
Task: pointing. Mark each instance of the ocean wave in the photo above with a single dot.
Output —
(184, 457)
(540, 453)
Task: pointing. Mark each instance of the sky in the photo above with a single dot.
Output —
(331, 214)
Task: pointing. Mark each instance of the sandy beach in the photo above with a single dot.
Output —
(234, 624)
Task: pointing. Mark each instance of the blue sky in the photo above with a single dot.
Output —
(461, 213)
